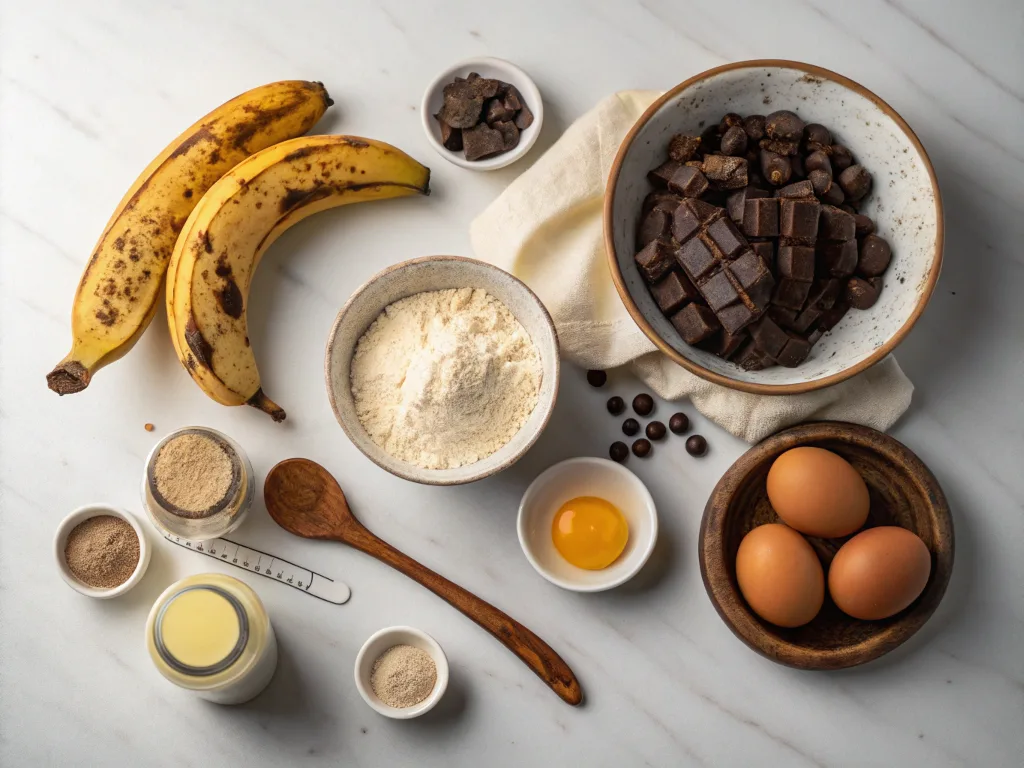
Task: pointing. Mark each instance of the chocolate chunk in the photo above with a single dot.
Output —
(798, 219)
(695, 322)
(834, 196)
(673, 291)
(830, 319)
(659, 176)
(784, 124)
(718, 290)
(485, 86)
(838, 259)
(754, 279)
(482, 141)
(524, 118)
(813, 336)
(735, 317)
(855, 181)
(863, 226)
(807, 317)
(816, 135)
(660, 200)
(725, 172)
(723, 235)
(768, 337)
(824, 293)
(835, 224)
(682, 147)
(688, 182)
(761, 217)
(840, 157)
(495, 111)
(861, 293)
(696, 258)
(463, 103)
(766, 252)
(656, 224)
(754, 126)
(729, 120)
(509, 134)
(782, 147)
(875, 255)
(451, 138)
(800, 190)
(820, 181)
(791, 294)
(786, 318)
(655, 260)
(750, 358)
(775, 168)
(796, 262)
(734, 141)
(736, 201)
(725, 344)
(797, 164)
(510, 97)
(818, 161)
(795, 351)
(710, 139)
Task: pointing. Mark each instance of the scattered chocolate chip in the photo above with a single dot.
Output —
(642, 448)
(616, 405)
(643, 404)
(679, 423)
(784, 125)
(655, 430)
(596, 378)
(630, 427)
(734, 141)
(619, 451)
(696, 445)
(855, 181)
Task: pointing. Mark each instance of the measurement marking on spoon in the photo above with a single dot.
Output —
(286, 572)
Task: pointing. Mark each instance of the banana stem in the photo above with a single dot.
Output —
(261, 402)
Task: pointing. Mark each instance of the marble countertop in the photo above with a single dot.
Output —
(89, 92)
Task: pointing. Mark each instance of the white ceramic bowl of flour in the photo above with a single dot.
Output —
(436, 273)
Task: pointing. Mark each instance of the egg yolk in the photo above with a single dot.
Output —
(589, 532)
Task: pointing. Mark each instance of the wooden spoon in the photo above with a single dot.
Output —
(304, 499)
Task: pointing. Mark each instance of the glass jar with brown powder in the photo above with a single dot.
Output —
(198, 484)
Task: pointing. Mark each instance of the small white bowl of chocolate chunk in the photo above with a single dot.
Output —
(482, 114)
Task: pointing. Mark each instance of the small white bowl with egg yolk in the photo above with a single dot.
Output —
(588, 532)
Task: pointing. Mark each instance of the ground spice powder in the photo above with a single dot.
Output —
(102, 551)
(403, 676)
(193, 473)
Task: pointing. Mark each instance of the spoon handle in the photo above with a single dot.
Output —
(531, 650)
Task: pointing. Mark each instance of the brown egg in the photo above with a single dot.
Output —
(879, 572)
(818, 492)
(780, 576)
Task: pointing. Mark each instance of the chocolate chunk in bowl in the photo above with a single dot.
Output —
(856, 338)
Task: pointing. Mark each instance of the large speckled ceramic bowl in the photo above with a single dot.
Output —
(904, 204)
(435, 273)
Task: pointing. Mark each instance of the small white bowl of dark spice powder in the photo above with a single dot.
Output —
(401, 672)
(101, 550)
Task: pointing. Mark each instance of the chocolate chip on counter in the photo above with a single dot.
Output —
(775, 168)
(642, 448)
(630, 427)
(818, 161)
(616, 405)
(864, 225)
(596, 378)
(816, 135)
(874, 257)
(840, 157)
(734, 141)
(784, 125)
(821, 181)
(682, 147)
(855, 181)
(753, 126)
(655, 430)
(696, 445)
(619, 451)
(643, 404)
(679, 423)
(861, 293)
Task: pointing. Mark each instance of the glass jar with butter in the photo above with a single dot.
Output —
(210, 634)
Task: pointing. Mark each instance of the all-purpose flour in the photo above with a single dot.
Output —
(445, 378)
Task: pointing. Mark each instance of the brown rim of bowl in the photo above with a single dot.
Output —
(735, 612)
(726, 381)
(397, 471)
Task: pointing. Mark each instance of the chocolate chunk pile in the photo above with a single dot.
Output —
(482, 116)
(752, 243)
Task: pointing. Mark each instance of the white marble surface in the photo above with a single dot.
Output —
(89, 92)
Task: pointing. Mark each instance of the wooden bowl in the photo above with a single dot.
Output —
(905, 206)
(903, 492)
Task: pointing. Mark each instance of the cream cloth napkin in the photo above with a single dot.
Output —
(546, 229)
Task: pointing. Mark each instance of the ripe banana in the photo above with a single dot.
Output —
(234, 224)
(120, 290)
